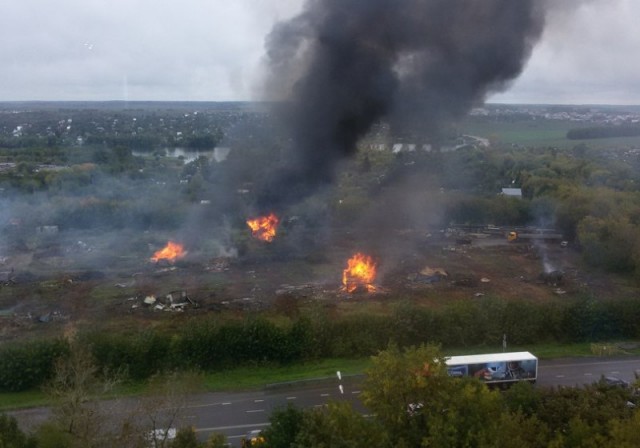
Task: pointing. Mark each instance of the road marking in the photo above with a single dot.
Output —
(206, 405)
(222, 428)
(355, 392)
(258, 401)
(291, 398)
(615, 373)
(226, 404)
(542, 367)
(588, 374)
(324, 395)
(559, 376)
(256, 410)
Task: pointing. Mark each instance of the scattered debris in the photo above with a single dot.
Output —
(244, 304)
(553, 278)
(173, 301)
(428, 275)
(50, 317)
(220, 264)
(467, 282)
(306, 290)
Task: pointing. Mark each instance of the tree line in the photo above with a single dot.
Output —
(211, 345)
(603, 132)
(411, 401)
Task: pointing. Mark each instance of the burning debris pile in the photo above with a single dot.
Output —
(359, 274)
(170, 253)
(264, 228)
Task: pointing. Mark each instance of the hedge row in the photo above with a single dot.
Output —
(206, 344)
(28, 365)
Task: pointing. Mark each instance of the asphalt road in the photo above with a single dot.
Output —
(235, 414)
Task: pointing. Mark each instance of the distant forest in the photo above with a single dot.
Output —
(603, 132)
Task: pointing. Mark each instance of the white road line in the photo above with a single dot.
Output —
(291, 398)
(206, 405)
(615, 372)
(226, 404)
(559, 376)
(588, 374)
(324, 395)
(255, 410)
(258, 401)
(355, 392)
(222, 428)
(558, 366)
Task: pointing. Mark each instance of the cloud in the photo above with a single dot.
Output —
(586, 55)
(206, 50)
(90, 50)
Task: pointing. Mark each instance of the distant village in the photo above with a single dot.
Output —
(583, 114)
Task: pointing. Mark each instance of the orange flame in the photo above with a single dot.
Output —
(264, 227)
(170, 252)
(360, 273)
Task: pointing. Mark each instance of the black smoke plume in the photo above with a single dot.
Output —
(344, 65)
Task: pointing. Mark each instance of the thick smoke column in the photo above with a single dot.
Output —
(345, 64)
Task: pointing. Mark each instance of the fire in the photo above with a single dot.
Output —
(170, 252)
(264, 227)
(360, 273)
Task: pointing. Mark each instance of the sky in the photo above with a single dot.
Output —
(213, 50)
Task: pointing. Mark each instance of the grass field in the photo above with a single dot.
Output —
(539, 133)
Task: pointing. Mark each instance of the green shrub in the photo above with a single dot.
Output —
(29, 365)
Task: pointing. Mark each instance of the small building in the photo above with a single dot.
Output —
(512, 192)
(47, 230)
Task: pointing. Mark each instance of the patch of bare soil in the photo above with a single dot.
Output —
(54, 294)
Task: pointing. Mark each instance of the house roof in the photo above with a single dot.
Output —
(512, 192)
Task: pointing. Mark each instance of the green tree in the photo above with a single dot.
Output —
(75, 388)
(11, 436)
(339, 426)
(420, 405)
(624, 433)
(216, 440)
(609, 242)
(285, 424)
(185, 438)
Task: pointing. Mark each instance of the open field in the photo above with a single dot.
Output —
(58, 292)
(539, 133)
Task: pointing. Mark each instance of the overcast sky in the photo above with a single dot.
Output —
(211, 50)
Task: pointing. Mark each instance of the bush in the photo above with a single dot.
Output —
(11, 436)
(29, 365)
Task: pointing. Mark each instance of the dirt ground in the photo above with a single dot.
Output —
(54, 290)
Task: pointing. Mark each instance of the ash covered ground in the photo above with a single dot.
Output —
(52, 288)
